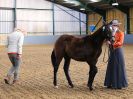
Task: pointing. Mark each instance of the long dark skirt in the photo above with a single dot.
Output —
(116, 74)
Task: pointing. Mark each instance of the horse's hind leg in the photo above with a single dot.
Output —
(66, 70)
(56, 66)
(92, 73)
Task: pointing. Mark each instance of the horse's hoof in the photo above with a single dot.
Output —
(71, 86)
(56, 87)
(91, 88)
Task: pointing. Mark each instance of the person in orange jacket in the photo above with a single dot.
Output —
(116, 73)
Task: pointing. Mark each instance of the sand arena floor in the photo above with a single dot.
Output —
(36, 77)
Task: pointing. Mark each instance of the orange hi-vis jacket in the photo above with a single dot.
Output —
(119, 39)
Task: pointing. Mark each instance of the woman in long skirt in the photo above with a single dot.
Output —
(116, 72)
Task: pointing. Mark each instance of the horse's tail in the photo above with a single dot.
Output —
(53, 58)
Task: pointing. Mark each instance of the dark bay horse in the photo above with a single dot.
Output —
(87, 49)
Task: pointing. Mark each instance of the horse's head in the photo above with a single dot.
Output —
(107, 32)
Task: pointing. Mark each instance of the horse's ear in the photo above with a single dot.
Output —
(110, 22)
(104, 23)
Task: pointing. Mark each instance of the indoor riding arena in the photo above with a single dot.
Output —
(45, 21)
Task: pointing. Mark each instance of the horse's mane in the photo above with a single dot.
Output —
(96, 33)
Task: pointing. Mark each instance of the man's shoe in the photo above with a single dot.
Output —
(15, 81)
(6, 81)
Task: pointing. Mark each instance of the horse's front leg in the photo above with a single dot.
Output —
(92, 73)
(66, 70)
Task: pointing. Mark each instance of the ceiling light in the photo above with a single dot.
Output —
(115, 4)
(76, 3)
(82, 9)
(95, 0)
(66, 0)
